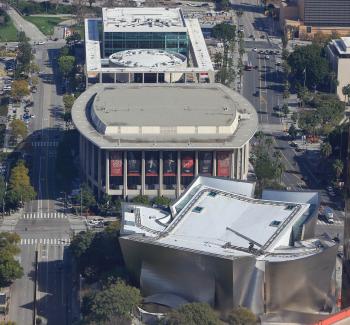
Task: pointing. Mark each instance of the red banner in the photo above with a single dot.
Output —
(116, 163)
(187, 166)
(223, 161)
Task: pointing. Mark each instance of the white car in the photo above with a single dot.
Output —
(41, 43)
(267, 57)
(255, 49)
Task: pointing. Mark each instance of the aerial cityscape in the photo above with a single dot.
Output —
(174, 162)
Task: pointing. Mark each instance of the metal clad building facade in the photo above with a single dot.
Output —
(327, 13)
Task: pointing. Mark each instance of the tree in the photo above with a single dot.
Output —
(20, 189)
(86, 198)
(34, 81)
(326, 149)
(24, 56)
(225, 32)
(20, 88)
(309, 66)
(141, 199)
(114, 304)
(10, 269)
(162, 200)
(68, 101)
(18, 129)
(197, 313)
(66, 64)
(222, 4)
(91, 2)
(241, 316)
(346, 92)
(292, 131)
(285, 109)
(338, 167)
(72, 39)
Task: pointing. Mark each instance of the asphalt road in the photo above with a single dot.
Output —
(44, 226)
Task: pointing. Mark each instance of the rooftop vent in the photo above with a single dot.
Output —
(290, 207)
(275, 223)
(197, 209)
(212, 194)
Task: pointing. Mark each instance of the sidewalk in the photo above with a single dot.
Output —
(28, 28)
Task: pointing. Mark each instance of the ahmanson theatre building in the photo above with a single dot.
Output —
(153, 139)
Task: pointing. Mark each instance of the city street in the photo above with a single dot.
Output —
(43, 224)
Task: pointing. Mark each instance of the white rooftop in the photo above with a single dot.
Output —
(146, 58)
(143, 20)
(342, 45)
(209, 217)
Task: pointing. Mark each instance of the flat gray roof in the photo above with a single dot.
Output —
(164, 116)
(165, 106)
(144, 19)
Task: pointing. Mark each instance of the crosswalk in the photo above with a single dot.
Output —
(43, 215)
(45, 144)
(45, 241)
(336, 222)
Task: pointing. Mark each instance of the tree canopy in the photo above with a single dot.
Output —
(97, 254)
(18, 129)
(308, 64)
(20, 189)
(114, 304)
(197, 313)
(225, 32)
(20, 88)
(10, 269)
(241, 316)
(66, 64)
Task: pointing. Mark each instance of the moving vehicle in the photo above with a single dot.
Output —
(248, 66)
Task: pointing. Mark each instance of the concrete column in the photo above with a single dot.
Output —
(247, 157)
(125, 175)
(214, 163)
(185, 77)
(143, 173)
(107, 172)
(171, 77)
(143, 78)
(87, 158)
(129, 77)
(157, 80)
(160, 173)
(100, 77)
(115, 78)
(99, 179)
(81, 153)
(178, 176)
(92, 162)
(239, 161)
(232, 175)
(242, 163)
(196, 163)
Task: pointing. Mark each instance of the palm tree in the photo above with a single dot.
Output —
(338, 168)
(326, 149)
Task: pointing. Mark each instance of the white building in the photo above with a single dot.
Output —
(338, 52)
(218, 244)
(146, 29)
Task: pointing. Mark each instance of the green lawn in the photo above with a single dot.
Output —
(8, 32)
(45, 24)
